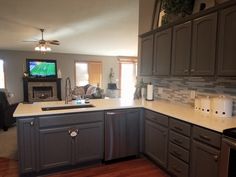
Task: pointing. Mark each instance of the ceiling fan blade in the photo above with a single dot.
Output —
(30, 41)
(54, 42)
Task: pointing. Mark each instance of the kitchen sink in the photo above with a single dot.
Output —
(67, 107)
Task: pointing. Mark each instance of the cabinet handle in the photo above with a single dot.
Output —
(192, 70)
(178, 128)
(73, 132)
(176, 153)
(110, 113)
(176, 169)
(186, 70)
(205, 137)
(177, 141)
(216, 157)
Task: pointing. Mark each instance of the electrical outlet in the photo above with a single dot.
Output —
(192, 94)
(160, 90)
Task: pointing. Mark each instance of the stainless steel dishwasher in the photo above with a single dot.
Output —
(121, 133)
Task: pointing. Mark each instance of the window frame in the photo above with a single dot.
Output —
(4, 73)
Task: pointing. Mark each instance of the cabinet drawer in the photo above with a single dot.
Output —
(156, 117)
(180, 127)
(177, 167)
(180, 140)
(207, 136)
(179, 152)
(68, 119)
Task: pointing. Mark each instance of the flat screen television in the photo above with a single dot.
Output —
(41, 68)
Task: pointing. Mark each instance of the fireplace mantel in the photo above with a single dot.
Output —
(29, 83)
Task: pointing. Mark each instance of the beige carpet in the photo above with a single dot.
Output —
(8, 143)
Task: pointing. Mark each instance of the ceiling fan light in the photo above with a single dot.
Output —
(37, 48)
(48, 49)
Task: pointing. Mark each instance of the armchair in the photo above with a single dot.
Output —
(6, 112)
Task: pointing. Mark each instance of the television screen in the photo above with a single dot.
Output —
(42, 68)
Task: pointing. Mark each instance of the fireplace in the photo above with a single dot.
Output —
(42, 89)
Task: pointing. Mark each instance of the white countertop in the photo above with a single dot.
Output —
(179, 111)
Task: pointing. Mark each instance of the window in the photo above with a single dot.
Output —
(2, 77)
(88, 73)
(128, 73)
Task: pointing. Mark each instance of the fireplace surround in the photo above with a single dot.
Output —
(41, 89)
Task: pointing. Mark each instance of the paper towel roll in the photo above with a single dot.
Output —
(149, 92)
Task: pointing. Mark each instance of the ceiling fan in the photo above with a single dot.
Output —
(43, 45)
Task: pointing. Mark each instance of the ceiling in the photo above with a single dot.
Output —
(96, 27)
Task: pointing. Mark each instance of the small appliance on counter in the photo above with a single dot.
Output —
(222, 106)
(149, 92)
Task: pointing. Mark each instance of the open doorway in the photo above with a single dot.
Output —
(128, 74)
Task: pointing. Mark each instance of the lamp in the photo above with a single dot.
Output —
(42, 48)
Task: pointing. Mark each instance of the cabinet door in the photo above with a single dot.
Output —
(156, 139)
(204, 45)
(26, 145)
(226, 45)
(89, 142)
(204, 160)
(132, 132)
(146, 56)
(55, 147)
(162, 53)
(181, 49)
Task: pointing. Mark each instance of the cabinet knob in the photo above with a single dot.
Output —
(186, 70)
(31, 123)
(73, 132)
(192, 70)
(216, 157)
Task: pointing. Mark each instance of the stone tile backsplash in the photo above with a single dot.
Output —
(178, 89)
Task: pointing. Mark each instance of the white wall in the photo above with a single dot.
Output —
(14, 63)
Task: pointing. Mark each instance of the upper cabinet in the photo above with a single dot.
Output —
(146, 56)
(162, 53)
(181, 47)
(226, 42)
(204, 45)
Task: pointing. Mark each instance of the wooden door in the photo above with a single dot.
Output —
(204, 46)
(204, 160)
(55, 147)
(146, 56)
(89, 142)
(181, 49)
(162, 53)
(156, 142)
(226, 42)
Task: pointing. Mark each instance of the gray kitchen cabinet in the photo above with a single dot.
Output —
(162, 53)
(146, 56)
(122, 128)
(204, 45)
(55, 147)
(205, 160)
(89, 142)
(26, 144)
(156, 137)
(226, 42)
(156, 141)
(181, 49)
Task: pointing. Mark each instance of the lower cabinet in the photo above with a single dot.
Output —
(205, 160)
(26, 144)
(55, 148)
(70, 145)
(156, 137)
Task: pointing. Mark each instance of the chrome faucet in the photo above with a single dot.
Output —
(68, 90)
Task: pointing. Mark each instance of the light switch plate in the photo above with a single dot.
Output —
(192, 94)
